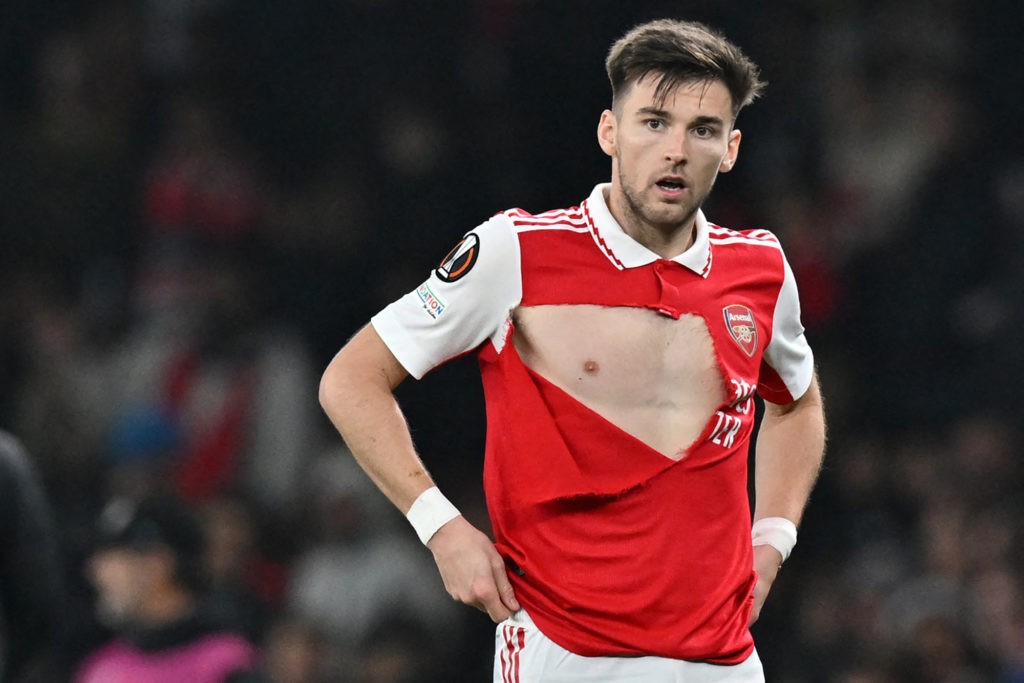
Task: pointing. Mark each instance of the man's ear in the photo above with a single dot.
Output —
(731, 152)
(606, 132)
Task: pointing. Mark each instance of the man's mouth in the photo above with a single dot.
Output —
(671, 184)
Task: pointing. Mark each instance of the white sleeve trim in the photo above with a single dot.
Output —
(788, 353)
(442, 319)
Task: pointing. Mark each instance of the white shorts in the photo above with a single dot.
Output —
(523, 654)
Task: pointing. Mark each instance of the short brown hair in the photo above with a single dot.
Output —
(681, 52)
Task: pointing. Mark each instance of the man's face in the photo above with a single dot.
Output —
(123, 579)
(666, 155)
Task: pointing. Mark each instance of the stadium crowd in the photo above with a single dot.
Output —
(201, 200)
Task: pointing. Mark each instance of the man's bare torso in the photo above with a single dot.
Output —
(652, 376)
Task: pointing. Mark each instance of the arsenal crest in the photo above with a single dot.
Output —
(740, 322)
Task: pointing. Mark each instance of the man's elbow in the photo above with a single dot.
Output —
(326, 388)
(364, 367)
(332, 383)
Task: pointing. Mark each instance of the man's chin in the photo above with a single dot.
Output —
(671, 216)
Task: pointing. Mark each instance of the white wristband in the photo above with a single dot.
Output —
(429, 512)
(778, 532)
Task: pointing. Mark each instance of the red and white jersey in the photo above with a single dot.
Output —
(613, 548)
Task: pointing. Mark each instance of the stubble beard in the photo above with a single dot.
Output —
(642, 219)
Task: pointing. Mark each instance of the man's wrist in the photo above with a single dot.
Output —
(778, 532)
(429, 512)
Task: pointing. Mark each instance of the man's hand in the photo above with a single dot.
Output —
(472, 570)
(766, 563)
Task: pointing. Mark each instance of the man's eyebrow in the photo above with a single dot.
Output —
(653, 111)
(707, 121)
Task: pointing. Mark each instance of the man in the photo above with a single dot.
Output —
(148, 578)
(33, 596)
(621, 343)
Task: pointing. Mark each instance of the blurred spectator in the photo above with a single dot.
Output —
(996, 620)
(147, 571)
(399, 650)
(66, 175)
(295, 652)
(201, 180)
(357, 569)
(938, 652)
(245, 586)
(202, 352)
(32, 592)
(202, 366)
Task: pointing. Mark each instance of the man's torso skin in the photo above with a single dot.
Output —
(652, 376)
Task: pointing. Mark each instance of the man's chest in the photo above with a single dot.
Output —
(662, 319)
(657, 350)
(619, 354)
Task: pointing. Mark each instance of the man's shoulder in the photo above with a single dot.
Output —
(572, 218)
(755, 237)
(738, 251)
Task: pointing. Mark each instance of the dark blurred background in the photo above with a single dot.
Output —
(201, 200)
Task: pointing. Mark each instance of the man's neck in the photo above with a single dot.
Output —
(666, 241)
(666, 244)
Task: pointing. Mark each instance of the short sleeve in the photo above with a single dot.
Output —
(465, 301)
(787, 366)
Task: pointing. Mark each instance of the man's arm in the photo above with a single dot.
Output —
(356, 392)
(790, 449)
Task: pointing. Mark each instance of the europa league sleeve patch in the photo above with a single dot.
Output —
(460, 260)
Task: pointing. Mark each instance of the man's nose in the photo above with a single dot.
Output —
(675, 150)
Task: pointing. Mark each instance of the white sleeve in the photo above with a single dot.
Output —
(466, 300)
(788, 353)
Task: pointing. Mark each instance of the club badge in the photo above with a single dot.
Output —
(740, 322)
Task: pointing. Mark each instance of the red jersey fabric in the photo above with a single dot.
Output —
(613, 548)
(616, 548)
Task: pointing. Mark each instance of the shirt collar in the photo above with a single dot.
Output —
(626, 252)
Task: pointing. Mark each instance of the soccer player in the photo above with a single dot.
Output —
(621, 344)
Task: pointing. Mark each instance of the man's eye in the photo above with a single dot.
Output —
(704, 131)
(654, 124)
